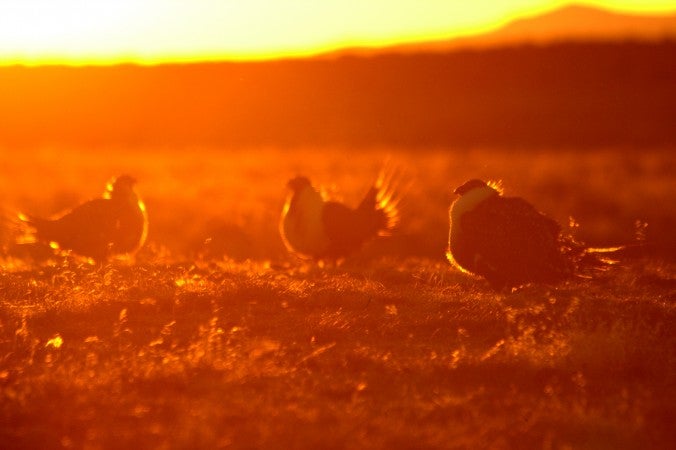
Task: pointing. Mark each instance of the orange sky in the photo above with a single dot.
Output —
(155, 31)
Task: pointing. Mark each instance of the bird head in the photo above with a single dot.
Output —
(473, 184)
(298, 183)
(469, 185)
(122, 186)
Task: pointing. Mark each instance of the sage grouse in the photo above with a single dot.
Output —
(510, 243)
(115, 224)
(315, 228)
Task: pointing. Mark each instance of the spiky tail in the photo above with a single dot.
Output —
(16, 229)
(31, 227)
(581, 258)
(599, 258)
(382, 201)
(588, 260)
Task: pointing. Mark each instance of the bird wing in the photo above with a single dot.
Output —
(341, 223)
(93, 216)
(347, 229)
(511, 240)
(86, 229)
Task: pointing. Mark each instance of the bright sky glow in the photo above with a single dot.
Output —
(152, 31)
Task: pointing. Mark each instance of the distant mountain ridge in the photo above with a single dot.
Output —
(573, 23)
(572, 95)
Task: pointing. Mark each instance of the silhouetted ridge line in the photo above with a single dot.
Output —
(567, 95)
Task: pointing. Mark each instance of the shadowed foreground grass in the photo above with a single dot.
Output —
(217, 338)
(387, 355)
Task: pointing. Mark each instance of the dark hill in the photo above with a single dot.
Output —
(571, 23)
(561, 95)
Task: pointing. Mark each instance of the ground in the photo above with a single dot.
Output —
(215, 337)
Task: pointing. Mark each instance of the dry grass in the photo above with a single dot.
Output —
(233, 344)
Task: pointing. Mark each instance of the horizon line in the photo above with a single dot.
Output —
(358, 52)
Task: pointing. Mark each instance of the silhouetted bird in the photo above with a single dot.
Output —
(312, 227)
(508, 242)
(116, 224)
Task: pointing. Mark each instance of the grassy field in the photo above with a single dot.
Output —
(216, 338)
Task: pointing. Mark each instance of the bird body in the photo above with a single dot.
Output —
(302, 225)
(314, 228)
(116, 224)
(505, 239)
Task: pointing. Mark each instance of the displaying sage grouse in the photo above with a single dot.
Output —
(510, 243)
(315, 228)
(116, 224)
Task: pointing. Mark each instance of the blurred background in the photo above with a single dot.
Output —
(572, 106)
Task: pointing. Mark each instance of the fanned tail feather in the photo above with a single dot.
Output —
(18, 237)
(388, 196)
(598, 259)
(614, 249)
(584, 260)
(29, 226)
(588, 260)
(604, 256)
(16, 228)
